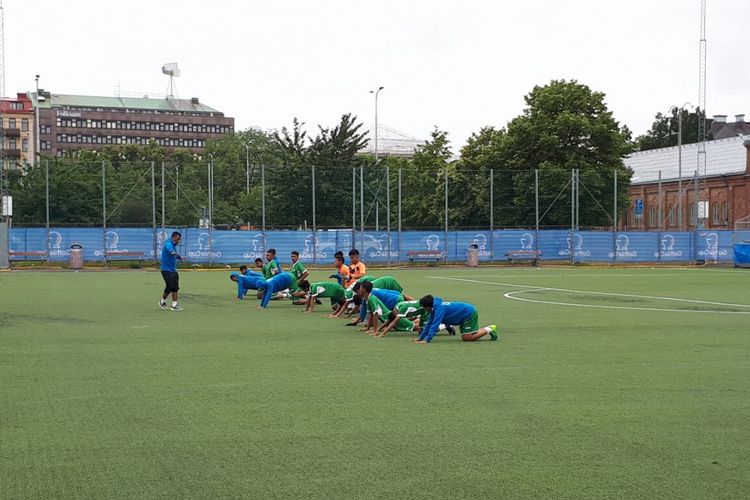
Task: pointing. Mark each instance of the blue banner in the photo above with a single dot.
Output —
(228, 247)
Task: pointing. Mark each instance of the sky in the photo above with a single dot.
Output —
(457, 65)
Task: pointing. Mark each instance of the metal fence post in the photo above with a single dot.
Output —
(361, 206)
(614, 222)
(263, 197)
(315, 239)
(492, 213)
(536, 209)
(104, 211)
(399, 214)
(46, 187)
(446, 213)
(153, 209)
(388, 208)
(163, 201)
(354, 205)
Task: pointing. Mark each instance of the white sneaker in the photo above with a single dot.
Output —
(175, 308)
(163, 305)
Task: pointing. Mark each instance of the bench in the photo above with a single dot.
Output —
(425, 256)
(109, 255)
(34, 255)
(531, 255)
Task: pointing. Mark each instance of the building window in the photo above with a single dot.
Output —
(715, 214)
(671, 217)
(18, 106)
(725, 213)
(25, 144)
(11, 123)
(25, 125)
(651, 216)
(12, 144)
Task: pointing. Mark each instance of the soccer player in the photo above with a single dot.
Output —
(272, 267)
(350, 304)
(244, 271)
(322, 290)
(300, 273)
(337, 276)
(169, 258)
(389, 298)
(245, 283)
(342, 270)
(407, 310)
(461, 314)
(378, 310)
(269, 287)
(388, 283)
(357, 268)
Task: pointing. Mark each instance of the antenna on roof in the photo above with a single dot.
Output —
(171, 70)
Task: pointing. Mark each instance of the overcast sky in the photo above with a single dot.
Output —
(458, 65)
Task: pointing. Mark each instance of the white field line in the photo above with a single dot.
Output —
(611, 294)
(511, 295)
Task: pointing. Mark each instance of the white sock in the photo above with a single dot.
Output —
(174, 303)
(163, 302)
(487, 329)
(441, 327)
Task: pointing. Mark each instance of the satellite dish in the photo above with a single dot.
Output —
(171, 69)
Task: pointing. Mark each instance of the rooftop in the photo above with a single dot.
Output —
(63, 101)
(723, 156)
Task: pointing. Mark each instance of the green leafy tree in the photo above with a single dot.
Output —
(664, 131)
(424, 183)
(565, 126)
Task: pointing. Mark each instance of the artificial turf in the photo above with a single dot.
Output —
(103, 395)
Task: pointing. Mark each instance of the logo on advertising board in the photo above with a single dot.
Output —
(622, 242)
(575, 242)
(204, 251)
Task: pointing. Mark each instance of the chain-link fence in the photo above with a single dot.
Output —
(392, 211)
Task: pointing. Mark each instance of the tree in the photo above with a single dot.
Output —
(664, 132)
(565, 126)
(424, 182)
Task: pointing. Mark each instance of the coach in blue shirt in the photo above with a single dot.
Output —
(169, 258)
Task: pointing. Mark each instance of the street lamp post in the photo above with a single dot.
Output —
(376, 92)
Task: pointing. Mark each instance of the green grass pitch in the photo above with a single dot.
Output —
(638, 390)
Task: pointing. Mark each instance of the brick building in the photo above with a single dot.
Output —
(17, 122)
(725, 184)
(72, 122)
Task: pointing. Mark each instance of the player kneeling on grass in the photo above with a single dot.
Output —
(406, 314)
(270, 287)
(461, 314)
(389, 283)
(377, 309)
(388, 297)
(321, 290)
(246, 282)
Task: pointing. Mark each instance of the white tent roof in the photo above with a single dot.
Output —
(725, 156)
(391, 142)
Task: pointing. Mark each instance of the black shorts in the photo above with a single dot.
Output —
(171, 281)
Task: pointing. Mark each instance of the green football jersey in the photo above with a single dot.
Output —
(376, 306)
(298, 269)
(387, 283)
(327, 290)
(269, 269)
(412, 309)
